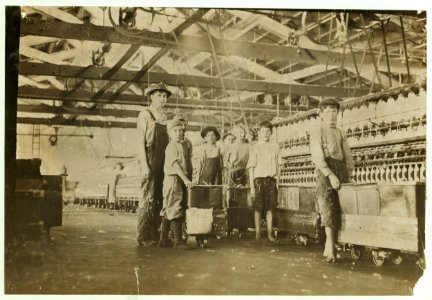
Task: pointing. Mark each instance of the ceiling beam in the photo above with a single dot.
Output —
(39, 55)
(22, 80)
(199, 44)
(107, 112)
(84, 96)
(153, 60)
(57, 14)
(87, 123)
(174, 79)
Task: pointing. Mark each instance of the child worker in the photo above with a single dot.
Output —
(333, 165)
(237, 158)
(178, 175)
(211, 166)
(263, 173)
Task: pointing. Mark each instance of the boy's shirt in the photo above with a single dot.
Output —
(146, 124)
(180, 152)
(264, 157)
(237, 155)
(330, 142)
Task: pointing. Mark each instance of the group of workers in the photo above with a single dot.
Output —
(165, 159)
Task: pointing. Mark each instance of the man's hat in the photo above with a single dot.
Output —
(208, 129)
(158, 87)
(329, 102)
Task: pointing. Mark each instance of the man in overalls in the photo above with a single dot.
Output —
(153, 139)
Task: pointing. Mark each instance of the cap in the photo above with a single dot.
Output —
(208, 129)
(174, 123)
(158, 87)
(181, 117)
(329, 102)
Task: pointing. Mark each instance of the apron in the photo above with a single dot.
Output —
(211, 172)
(327, 203)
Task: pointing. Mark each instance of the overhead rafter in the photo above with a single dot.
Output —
(107, 112)
(87, 123)
(199, 44)
(178, 30)
(173, 79)
(84, 96)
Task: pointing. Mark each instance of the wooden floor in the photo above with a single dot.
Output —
(94, 253)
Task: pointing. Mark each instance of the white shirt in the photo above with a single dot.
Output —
(264, 158)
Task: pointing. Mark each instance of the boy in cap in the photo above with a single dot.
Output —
(178, 175)
(153, 139)
(333, 165)
(263, 165)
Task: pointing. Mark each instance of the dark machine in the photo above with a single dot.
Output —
(39, 199)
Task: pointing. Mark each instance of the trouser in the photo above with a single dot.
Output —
(328, 204)
(149, 208)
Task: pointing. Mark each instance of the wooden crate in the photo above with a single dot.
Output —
(220, 226)
(205, 196)
(402, 200)
(295, 221)
(383, 215)
(240, 218)
(360, 199)
(380, 232)
(238, 197)
(296, 212)
(289, 197)
(301, 198)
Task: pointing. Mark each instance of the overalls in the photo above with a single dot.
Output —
(150, 204)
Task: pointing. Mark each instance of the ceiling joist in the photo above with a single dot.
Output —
(97, 73)
(201, 44)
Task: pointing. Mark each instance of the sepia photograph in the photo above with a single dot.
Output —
(225, 150)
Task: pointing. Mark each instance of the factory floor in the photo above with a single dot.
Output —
(94, 253)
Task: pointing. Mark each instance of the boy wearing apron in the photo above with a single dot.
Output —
(333, 165)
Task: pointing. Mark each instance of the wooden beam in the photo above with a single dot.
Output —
(84, 96)
(22, 80)
(153, 60)
(39, 55)
(174, 79)
(86, 123)
(54, 82)
(57, 14)
(104, 34)
(107, 112)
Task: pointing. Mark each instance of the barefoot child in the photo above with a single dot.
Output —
(333, 165)
(237, 158)
(263, 169)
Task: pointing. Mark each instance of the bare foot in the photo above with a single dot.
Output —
(272, 239)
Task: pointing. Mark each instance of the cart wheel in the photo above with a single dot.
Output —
(301, 239)
(290, 237)
(421, 263)
(356, 252)
(378, 260)
(201, 241)
(397, 258)
(184, 232)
